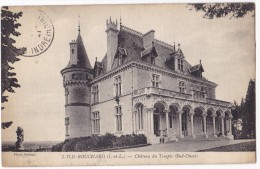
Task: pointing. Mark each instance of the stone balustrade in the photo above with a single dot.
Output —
(162, 92)
(168, 93)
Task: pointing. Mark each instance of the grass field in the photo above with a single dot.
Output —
(247, 146)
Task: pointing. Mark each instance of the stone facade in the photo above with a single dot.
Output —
(142, 86)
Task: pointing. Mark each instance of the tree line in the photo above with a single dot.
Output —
(244, 115)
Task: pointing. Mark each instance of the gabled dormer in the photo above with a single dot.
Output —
(176, 60)
(197, 70)
(150, 54)
(98, 68)
(120, 56)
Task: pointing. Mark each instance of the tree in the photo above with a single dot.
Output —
(218, 10)
(248, 116)
(9, 53)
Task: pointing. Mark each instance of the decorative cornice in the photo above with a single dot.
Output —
(154, 69)
(73, 69)
(76, 83)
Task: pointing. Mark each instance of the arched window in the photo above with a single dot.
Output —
(140, 115)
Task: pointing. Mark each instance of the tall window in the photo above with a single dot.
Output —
(118, 118)
(182, 87)
(140, 115)
(96, 122)
(119, 59)
(118, 85)
(180, 64)
(155, 80)
(67, 122)
(95, 94)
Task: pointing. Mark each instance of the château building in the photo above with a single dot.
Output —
(141, 86)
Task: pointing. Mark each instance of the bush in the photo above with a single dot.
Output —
(99, 142)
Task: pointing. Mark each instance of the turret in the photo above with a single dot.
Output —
(76, 78)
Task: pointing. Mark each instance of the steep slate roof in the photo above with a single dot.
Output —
(132, 41)
(83, 61)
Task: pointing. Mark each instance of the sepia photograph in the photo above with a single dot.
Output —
(128, 84)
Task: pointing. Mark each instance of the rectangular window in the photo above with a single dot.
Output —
(182, 88)
(155, 80)
(96, 122)
(118, 118)
(180, 64)
(118, 85)
(95, 93)
(67, 122)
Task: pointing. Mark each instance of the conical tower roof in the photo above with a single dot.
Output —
(82, 59)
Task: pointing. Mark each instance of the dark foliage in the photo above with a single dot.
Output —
(9, 54)
(218, 10)
(9, 51)
(99, 142)
(244, 114)
(6, 124)
(248, 114)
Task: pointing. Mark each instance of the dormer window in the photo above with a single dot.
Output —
(72, 51)
(180, 64)
(121, 53)
(197, 70)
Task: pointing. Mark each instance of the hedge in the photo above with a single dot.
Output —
(99, 142)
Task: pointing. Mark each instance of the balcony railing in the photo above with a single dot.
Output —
(161, 92)
(168, 93)
(219, 102)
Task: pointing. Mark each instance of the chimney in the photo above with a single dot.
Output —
(112, 42)
(148, 39)
(73, 52)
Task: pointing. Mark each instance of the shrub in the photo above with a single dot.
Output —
(99, 142)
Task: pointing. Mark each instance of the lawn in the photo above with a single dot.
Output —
(247, 146)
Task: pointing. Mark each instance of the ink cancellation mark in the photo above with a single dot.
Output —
(40, 39)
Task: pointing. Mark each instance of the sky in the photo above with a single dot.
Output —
(225, 46)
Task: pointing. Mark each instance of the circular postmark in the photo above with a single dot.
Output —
(38, 34)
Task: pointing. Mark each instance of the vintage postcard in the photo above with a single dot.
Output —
(128, 84)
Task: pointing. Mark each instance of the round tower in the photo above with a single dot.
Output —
(76, 82)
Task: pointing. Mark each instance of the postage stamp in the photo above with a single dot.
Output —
(128, 84)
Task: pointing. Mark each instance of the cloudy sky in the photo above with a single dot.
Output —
(225, 46)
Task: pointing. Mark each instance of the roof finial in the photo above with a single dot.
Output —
(79, 25)
(120, 20)
(174, 46)
(110, 19)
(96, 59)
(200, 61)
